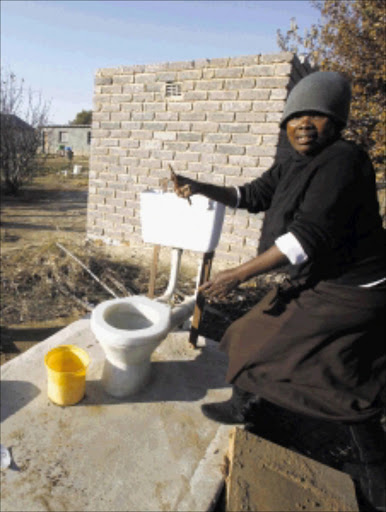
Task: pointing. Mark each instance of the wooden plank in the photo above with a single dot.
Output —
(200, 301)
(153, 271)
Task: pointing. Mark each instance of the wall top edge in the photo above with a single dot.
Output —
(267, 58)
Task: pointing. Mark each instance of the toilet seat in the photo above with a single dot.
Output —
(150, 311)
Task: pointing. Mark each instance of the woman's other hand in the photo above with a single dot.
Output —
(218, 288)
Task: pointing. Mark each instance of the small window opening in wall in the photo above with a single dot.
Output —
(88, 137)
(172, 89)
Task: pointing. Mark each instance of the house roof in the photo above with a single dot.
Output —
(15, 121)
(67, 126)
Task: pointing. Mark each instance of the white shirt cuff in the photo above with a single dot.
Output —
(289, 245)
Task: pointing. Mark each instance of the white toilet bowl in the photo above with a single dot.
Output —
(129, 330)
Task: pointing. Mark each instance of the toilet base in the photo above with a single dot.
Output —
(125, 381)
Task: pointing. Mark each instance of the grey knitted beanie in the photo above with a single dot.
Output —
(327, 92)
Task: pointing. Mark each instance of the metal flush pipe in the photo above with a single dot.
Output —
(174, 270)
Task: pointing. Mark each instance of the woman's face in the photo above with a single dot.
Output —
(309, 132)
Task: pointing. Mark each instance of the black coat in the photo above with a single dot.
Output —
(329, 203)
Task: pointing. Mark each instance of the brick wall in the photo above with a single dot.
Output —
(214, 120)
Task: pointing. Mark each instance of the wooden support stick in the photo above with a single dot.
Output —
(200, 301)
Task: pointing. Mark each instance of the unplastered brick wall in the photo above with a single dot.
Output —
(215, 120)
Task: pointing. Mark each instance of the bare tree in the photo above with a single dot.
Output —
(23, 113)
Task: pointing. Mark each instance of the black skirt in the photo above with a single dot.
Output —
(318, 351)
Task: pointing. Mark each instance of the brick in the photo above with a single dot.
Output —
(277, 57)
(243, 160)
(278, 94)
(272, 82)
(244, 60)
(189, 136)
(123, 79)
(166, 76)
(144, 78)
(191, 74)
(240, 83)
(254, 94)
(217, 137)
(265, 128)
(101, 116)
(233, 72)
(142, 116)
(140, 153)
(166, 116)
(214, 158)
(204, 127)
(260, 70)
(122, 98)
(186, 156)
(207, 106)
(208, 85)
(176, 146)
(249, 117)
(154, 126)
(178, 126)
(110, 125)
(208, 74)
(129, 143)
(200, 167)
(273, 116)
(192, 116)
(215, 179)
(246, 138)
(179, 107)
(133, 88)
(150, 144)
(157, 87)
(268, 106)
(119, 116)
(143, 96)
(221, 117)
(227, 170)
(111, 89)
(202, 147)
(222, 95)
(271, 140)
(131, 125)
(196, 95)
(103, 80)
(233, 127)
(107, 107)
(230, 149)
(261, 151)
(165, 135)
(154, 107)
(283, 69)
(141, 134)
(237, 106)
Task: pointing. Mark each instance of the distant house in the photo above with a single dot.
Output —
(56, 138)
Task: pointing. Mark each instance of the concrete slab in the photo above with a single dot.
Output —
(267, 477)
(151, 452)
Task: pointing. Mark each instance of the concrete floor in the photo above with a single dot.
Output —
(151, 452)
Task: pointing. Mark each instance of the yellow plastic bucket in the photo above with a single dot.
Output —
(66, 374)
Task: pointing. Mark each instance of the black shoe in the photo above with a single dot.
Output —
(238, 409)
(368, 443)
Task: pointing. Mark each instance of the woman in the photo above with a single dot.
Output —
(315, 345)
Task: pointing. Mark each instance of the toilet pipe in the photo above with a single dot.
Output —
(174, 269)
(182, 312)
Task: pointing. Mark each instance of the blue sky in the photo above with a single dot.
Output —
(57, 46)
